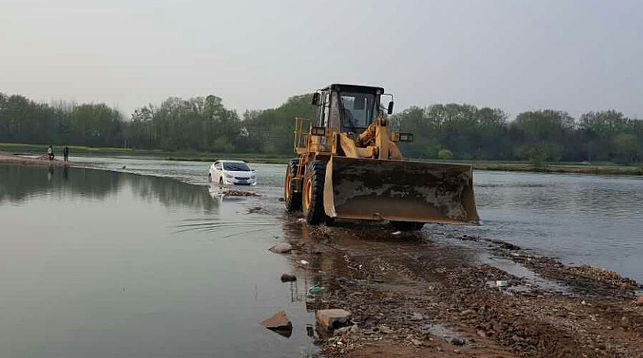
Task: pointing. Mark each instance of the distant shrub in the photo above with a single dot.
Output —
(445, 154)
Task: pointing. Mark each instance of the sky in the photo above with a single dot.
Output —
(574, 56)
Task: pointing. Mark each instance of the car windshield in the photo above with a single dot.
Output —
(236, 167)
(358, 110)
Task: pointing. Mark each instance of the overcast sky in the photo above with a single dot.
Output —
(516, 55)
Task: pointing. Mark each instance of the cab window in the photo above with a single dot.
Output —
(357, 110)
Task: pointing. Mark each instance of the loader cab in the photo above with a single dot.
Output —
(347, 108)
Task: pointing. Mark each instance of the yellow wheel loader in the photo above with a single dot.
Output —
(349, 167)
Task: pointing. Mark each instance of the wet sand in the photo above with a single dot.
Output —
(430, 294)
(8, 158)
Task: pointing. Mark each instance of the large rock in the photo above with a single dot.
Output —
(279, 323)
(281, 248)
(333, 318)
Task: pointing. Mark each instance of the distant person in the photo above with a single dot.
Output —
(66, 153)
(50, 152)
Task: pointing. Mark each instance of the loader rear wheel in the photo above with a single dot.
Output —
(407, 225)
(292, 196)
(313, 193)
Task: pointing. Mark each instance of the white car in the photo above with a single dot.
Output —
(232, 172)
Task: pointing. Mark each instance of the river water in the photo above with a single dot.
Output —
(107, 263)
(104, 264)
(582, 219)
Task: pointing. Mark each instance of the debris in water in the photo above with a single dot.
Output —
(279, 323)
(255, 209)
(281, 248)
(238, 193)
(314, 290)
(288, 277)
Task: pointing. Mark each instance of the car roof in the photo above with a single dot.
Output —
(229, 161)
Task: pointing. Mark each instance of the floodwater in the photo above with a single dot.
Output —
(108, 263)
(96, 263)
(582, 219)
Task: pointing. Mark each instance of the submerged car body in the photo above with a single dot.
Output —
(232, 172)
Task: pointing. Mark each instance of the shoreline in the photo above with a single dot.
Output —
(509, 166)
(42, 161)
(430, 294)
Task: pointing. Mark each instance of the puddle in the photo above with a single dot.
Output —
(515, 269)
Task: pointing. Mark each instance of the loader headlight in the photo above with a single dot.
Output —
(318, 131)
(404, 137)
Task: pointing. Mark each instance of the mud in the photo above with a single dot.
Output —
(428, 294)
(8, 158)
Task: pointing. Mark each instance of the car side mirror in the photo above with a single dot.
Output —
(390, 108)
(316, 99)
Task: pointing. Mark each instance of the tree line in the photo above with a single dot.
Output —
(446, 131)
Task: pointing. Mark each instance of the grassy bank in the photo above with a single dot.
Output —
(575, 168)
(578, 168)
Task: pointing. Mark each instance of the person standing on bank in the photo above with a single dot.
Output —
(50, 152)
(66, 153)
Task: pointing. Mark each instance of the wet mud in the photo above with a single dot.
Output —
(431, 294)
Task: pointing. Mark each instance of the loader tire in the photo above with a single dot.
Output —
(407, 225)
(292, 196)
(313, 193)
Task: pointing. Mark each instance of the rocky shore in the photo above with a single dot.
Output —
(431, 295)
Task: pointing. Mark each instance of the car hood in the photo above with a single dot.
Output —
(239, 173)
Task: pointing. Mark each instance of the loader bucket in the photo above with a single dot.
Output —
(373, 189)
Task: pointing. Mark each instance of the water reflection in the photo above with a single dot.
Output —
(20, 183)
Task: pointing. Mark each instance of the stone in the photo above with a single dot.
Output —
(467, 312)
(639, 300)
(416, 342)
(288, 277)
(334, 318)
(281, 248)
(279, 323)
(385, 329)
(415, 316)
(457, 341)
(482, 333)
(342, 331)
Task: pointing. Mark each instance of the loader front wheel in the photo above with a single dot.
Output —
(313, 193)
(292, 196)
(407, 225)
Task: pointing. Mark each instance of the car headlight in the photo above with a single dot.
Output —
(227, 175)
